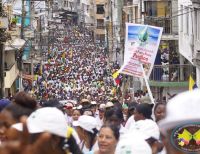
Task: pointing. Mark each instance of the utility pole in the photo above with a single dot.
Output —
(3, 38)
(22, 20)
(1, 67)
(22, 37)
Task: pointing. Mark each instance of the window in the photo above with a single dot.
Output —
(157, 8)
(65, 3)
(100, 9)
(181, 19)
(136, 15)
(197, 18)
(71, 5)
(100, 24)
(100, 37)
(187, 21)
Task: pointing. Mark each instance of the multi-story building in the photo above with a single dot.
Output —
(12, 53)
(114, 29)
(189, 33)
(101, 13)
(169, 73)
(85, 12)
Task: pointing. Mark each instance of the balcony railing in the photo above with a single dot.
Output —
(100, 26)
(171, 73)
(166, 23)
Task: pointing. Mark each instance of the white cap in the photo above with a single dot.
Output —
(145, 99)
(138, 145)
(181, 109)
(86, 122)
(79, 107)
(102, 106)
(48, 119)
(109, 104)
(93, 102)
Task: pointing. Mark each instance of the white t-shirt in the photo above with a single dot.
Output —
(147, 127)
(99, 122)
(129, 122)
(122, 131)
(84, 149)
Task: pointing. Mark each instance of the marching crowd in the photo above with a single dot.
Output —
(78, 113)
(90, 127)
(75, 68)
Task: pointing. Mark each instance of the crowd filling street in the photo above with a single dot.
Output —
(76, 68)
(73, 107)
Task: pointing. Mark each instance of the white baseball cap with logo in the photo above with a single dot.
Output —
(182, 109)
(86, 122)
(47, 119)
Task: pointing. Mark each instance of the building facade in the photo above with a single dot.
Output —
(189, 33)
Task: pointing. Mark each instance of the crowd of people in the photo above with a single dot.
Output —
(75, 68)
(72, 108)
(89, 127)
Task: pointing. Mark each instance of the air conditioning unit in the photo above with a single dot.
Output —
(197, 55)
(196, 59)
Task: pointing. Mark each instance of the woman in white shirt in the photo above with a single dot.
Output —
(86, 127)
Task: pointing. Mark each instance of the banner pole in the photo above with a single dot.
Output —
(148, 87)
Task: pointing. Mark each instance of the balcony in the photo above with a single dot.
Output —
(100, 31)
(164, 22)
(100, 26)
(11, 72)
(99, 16)
(170, 75)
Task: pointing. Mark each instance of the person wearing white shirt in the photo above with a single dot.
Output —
(86, 127)
(131, 120)
(144, 122)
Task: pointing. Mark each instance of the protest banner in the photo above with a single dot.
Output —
(141, 46)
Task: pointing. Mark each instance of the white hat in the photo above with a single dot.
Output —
(48, 119)
(145, 99)
(86, 122)
(109, 104)
(138, 145)
(102, 106)
(93, 102)
(181, 109)
(79, 107)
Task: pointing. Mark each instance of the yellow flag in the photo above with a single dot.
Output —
(191, 83)
(115, 75)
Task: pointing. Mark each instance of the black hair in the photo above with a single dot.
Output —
(145, 110)
(92, 137)
(114, 129)
(23, 99)
(114, 111)
(80, 110)
(17, 110)
(116, 103)
(89, 111)
(72, 145)
(151, 140)
(52, 103)
(131, 108)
